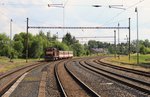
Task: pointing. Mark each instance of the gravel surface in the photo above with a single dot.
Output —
(71, 87)
(128, 74)
(51, 85)
(126, 65)
(29, 87)
(13, 74)
(102, 85)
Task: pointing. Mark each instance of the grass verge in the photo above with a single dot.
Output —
(6, 65)
(143, 59)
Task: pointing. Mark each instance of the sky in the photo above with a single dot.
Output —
(76, 13)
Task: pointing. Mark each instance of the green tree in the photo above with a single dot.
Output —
(86, 50)
(93, 44)
(48, 36)
(143, 49)
(22, 38)
(78, 49)
(146, 43)
(147, 50)
(37, 47)
(18, 47)
(5, 49)
(69, 40)
(60, 46)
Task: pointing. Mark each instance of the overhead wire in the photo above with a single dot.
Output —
(64, 5)
(41, 22)
(106, 22)
(15, 4)
(8, 18)
(118, 14)
(116, 21)
(20, 4)
(23, 5)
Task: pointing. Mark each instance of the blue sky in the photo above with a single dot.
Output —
(76, 13)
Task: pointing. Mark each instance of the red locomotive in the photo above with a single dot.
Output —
(55, 54)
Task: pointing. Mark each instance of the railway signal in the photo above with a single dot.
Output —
(27, 41)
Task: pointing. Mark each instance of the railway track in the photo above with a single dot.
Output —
(71, 85)
(142, 73)
(8, 79)
(134, 83)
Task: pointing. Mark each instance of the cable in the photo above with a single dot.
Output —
(118, 21)
(40, 22)
(22, 4)
(2, 13)
(13, 20)
(123, 11)
(66, 3)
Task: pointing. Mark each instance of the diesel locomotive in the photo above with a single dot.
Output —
(52, 53)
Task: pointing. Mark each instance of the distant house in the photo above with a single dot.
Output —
(99, 50)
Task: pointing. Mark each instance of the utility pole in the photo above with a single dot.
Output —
(10, 39)
(137, 48)
(118, 42)
(127, 42)
(57, 39)
(57, 35)
(27, 41)
(115, 43)
(129, 39)
(60, 6)
(63, 18)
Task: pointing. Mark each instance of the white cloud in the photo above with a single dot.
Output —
(77, 13)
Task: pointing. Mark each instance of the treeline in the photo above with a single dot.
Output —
(122, 48)
(16, 48)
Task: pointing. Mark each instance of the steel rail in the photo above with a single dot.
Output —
(143, 73)
(58, 80)
(82, 84)
(126, 81)
(138, 81)
(5, 87)
(14, 71)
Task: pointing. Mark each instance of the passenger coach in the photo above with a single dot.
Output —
(55, 54)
